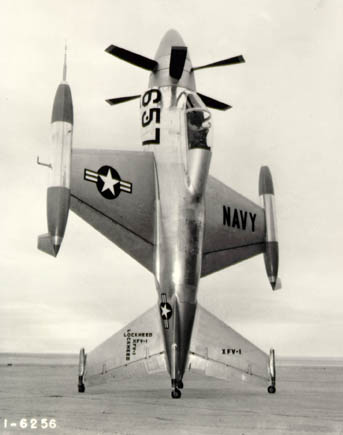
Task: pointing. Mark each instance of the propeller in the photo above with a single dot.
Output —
(230, 61)
(113, 101)
(131, 57)
(213, 104)
(178, 57)
(177, 61)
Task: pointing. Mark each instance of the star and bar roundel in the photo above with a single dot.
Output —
(166, 310)
(108, 182)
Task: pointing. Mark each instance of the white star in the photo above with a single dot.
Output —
(165, 310)
(109, 182)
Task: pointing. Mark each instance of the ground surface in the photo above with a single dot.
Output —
(309, 400)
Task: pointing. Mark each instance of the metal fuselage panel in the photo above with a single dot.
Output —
(61, 138)
(179, 222)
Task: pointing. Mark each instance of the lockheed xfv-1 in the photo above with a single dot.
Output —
(161, 206)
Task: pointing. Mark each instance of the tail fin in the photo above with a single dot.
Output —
(216, 350)
(46, 245)
(136, 350)
(219, 351)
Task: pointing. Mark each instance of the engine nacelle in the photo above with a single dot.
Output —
(271, 253)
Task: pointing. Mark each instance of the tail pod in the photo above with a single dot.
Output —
(271, 253)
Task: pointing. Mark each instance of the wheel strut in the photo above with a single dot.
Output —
(272, 372)
(82, 368)
(175, 393)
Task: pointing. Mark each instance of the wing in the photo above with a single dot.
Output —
(114, 191)
(217, 350)
(234, 228)
(135, 350)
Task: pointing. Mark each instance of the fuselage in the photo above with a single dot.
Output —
(176, 127)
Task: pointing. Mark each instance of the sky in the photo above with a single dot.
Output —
(287, 103)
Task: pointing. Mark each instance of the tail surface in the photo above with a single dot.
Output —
(216, 350)
(219, 351)
(136, 350)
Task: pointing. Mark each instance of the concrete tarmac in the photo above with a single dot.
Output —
(309, 400)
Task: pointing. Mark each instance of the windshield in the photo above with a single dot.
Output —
(198, 127)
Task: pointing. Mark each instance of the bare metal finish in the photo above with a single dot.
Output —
(271, 253)
(161, 77)
(58, 192)
(180, 178)
(152, 203)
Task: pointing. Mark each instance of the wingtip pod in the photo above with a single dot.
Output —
(271, 253)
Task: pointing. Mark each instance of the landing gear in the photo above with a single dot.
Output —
(81, 386)
(272, 372)
(180, 385)
(176, 393)
(82, 368)
(271, 389)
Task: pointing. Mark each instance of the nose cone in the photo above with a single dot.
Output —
(172, 70)
(265, 182)
(63, 105)
(171, 39)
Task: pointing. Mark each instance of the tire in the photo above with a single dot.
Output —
(271, 389)
(176, 394)
(81, 388)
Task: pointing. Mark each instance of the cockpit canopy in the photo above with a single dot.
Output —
(198, 120)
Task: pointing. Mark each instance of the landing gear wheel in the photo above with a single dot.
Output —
(81, 386)
(176, 394)
(180, 385)
(82, 367)
(271, 389)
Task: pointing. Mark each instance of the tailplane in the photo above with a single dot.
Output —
(136, 350)
(219, 351)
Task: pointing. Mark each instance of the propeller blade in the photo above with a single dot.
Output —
(214, 104)
(230, 61)
(134, 58)
(113, 101)
(177, 61)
